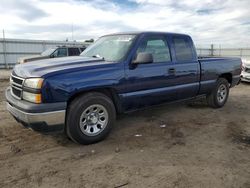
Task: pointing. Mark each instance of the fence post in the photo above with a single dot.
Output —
(43, 45)
(212, 50)
(220, 51)
(241, 52)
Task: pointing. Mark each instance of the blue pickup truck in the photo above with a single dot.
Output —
(118, 73)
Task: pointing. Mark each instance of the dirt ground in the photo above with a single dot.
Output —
(177, 145)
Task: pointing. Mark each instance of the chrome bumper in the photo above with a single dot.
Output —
(50, 118)
(245, 77)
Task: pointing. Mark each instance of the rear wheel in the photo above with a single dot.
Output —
(90, 118)
(219, 95)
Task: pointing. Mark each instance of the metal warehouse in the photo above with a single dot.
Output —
(12, 49)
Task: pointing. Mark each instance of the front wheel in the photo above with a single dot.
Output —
(219, 95)
(90, 118)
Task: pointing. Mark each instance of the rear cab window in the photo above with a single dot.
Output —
(157, 46)
(183, 48)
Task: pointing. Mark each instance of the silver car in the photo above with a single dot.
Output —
(245, 74)
(60, 51)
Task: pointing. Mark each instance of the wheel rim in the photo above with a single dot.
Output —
(93, 120)
(222, 93)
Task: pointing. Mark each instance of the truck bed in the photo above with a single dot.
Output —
(212, 67)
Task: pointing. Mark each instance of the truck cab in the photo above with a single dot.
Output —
(174, 71)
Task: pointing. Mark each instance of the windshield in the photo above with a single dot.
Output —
(110, 48)
(48, 52)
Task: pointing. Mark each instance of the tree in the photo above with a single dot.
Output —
(90, 40)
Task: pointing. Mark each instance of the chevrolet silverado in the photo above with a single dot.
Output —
(118, 73)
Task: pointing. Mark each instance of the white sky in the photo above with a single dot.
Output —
(224, 22)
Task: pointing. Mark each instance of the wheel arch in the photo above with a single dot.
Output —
(227, 76)
(109, 92)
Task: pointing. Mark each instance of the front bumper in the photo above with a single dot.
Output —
(245, 77)
(34, 114)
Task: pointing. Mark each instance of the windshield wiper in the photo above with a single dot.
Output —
(98, 56)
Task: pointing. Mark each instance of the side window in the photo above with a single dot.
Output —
(157, 47)
(183, 50)
(74, 51)
(60, 52)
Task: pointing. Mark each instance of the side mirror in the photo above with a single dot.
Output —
(143, 57)
(52, 55)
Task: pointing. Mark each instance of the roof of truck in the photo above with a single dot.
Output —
(146, 32)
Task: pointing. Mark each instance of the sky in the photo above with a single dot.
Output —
(225, 22)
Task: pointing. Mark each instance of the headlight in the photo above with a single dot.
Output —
(35, 83)
(32, 97)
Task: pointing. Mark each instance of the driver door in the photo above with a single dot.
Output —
(149, 84)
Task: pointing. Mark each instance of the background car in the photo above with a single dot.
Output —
(245, 73)
(60, 51)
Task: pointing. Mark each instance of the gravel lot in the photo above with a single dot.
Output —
(177, 145)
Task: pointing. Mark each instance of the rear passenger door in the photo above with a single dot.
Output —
(187, 68)
(149, 84)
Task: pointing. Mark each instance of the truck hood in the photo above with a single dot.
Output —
(31, 58)
(48, 67)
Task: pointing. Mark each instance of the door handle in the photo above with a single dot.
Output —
(171, 71)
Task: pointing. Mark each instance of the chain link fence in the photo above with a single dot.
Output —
(12, 49)
(225, 52)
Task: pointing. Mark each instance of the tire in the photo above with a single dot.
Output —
(90, 118)
(219, 95)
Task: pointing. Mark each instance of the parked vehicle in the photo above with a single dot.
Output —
(118, 73)
(60, 51)
(245, 73)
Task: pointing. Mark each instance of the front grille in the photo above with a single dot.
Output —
(16, 92)
(16, 84)
(17, 80)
